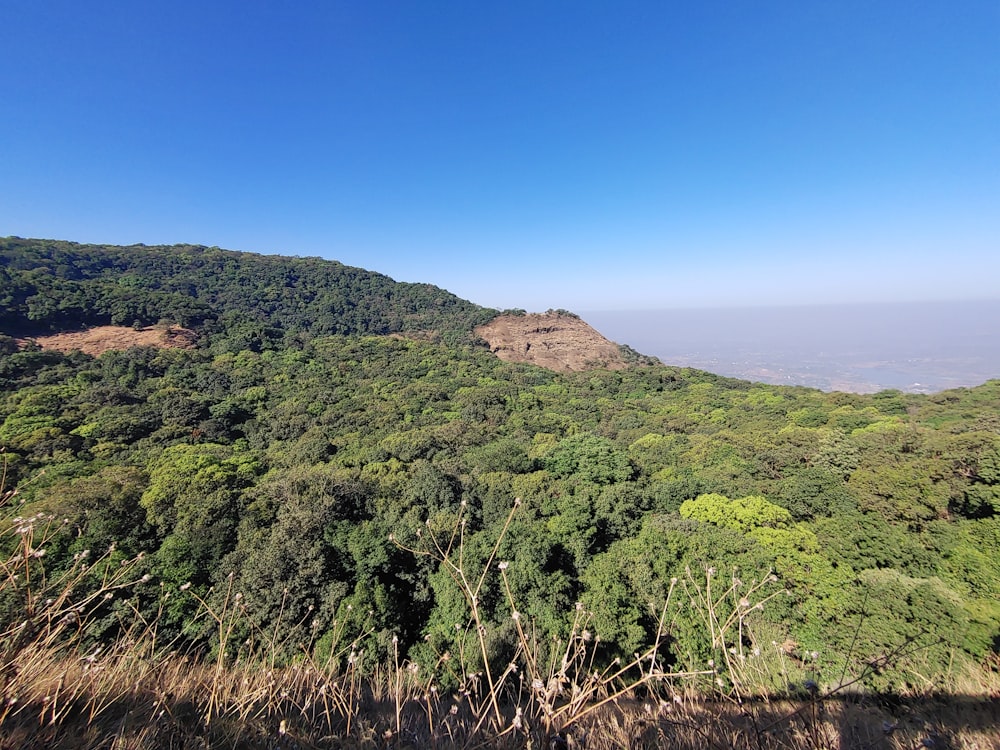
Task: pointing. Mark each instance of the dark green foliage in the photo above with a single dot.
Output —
(254, 299)
(104, 509)
(589, 458)
(290, 575)
(815, 492)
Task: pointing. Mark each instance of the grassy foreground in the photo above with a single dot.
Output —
(63, 687)
(126, 700)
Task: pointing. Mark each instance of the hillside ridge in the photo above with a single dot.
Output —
(96, 298)
(54, 286)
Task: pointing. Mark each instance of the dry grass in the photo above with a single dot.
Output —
(99, 339)
(168, 707)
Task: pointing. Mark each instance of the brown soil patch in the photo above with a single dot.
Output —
(551, 340)
(100, 339)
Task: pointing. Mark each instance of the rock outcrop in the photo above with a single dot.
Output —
(100, 339)
(554, 340)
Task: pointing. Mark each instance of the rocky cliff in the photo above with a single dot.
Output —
(554, 340)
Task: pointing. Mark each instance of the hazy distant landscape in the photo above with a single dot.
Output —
(915, 347)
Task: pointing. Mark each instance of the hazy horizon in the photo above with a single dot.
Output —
(916, 347)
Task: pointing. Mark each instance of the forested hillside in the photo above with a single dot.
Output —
(48, 285)
(296, 459)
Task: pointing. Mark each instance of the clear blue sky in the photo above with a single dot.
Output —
(577, 154)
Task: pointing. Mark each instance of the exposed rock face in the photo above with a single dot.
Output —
(100, 339)
(552, 340)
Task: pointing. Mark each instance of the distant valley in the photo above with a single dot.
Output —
(913, 347)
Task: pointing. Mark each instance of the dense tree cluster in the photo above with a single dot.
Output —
(295, 458)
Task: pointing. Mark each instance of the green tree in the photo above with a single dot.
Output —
(742, 514)
(589, 458)
(193, 497)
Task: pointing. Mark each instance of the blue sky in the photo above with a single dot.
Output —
(585, 155)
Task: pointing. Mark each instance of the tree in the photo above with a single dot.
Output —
(589, 458)
(743, 514)
(194, 497)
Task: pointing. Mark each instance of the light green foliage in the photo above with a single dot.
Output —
(628, 587)
(850, 417)
(975, 559)
(504, 454)
(187, 483)
(835, 453)
(410, 445)
(742, 514)
(37, 421)
(193, 499)
(654, 453)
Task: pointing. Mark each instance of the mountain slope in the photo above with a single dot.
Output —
(49, 285)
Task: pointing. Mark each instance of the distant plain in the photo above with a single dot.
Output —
(917, 347)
